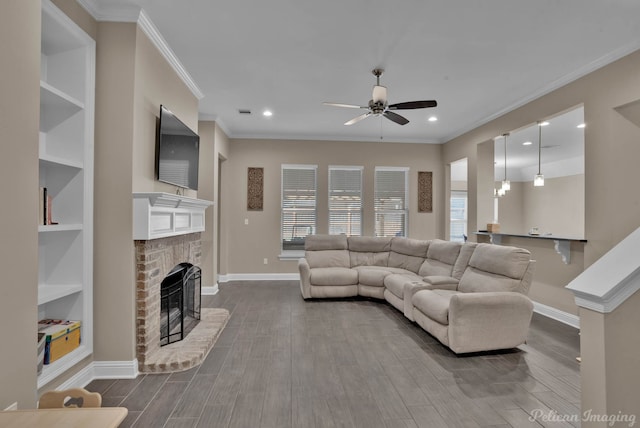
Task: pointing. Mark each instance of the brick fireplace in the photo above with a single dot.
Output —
(154, 260)
(166, 233)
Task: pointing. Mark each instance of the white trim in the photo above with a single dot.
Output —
(115, 369)
(138, 15)
(259, 277)
(557, 314)
(14, 406)
(612, 279)
(101, 370)
(210, 291)
(291, 255)
(156, 38)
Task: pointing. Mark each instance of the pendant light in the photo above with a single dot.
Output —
(538, 180)
(506, 184)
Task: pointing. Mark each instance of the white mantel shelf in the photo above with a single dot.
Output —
(160, 215)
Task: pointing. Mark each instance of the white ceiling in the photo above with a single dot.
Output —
(478, 59)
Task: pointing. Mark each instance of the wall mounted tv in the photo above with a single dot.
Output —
(177, 152)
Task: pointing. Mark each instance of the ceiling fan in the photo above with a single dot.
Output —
(378, 105)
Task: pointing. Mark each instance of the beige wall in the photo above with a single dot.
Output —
(556, 208)
(114, 318)
(19, 122)
(79, 15)
(261, 237)
(214, 145)
(132, 81)
(156, 83)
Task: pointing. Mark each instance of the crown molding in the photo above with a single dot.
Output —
(139, 16)
(218, 121)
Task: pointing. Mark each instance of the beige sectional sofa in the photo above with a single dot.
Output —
(471, 297)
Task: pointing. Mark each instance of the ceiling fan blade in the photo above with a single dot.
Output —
(394, 117)
(358, 118)
(413, 105)
(343, 105)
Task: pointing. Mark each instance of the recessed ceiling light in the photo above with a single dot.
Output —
(527, 143)
(433, 119)
(545, 123)
(267, 113)
(582, 125)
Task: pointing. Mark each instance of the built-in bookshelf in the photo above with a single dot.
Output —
(67, 91)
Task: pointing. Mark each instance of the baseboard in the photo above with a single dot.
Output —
(115, 369)
(259, 277)
(101, 370)
(210, 291)
(14, 406)
(557, 314)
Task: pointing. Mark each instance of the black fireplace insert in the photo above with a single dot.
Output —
(179, 302)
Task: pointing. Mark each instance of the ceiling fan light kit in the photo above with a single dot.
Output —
(379, 106)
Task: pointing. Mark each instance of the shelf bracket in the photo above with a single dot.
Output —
(564, 249)
(495, 239)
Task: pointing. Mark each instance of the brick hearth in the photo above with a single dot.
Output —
(154, 259)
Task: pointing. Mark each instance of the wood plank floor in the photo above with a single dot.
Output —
(285, 362)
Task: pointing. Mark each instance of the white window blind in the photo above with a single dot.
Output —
(345, 200)
(298, 205)
(458, 216)
(391, 201)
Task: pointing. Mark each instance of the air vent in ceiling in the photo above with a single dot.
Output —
(244, 111)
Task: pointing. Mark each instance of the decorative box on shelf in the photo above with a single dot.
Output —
(159, 215)
(61, 337)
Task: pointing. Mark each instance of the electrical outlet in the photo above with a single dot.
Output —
(246, 221)
(265, 261)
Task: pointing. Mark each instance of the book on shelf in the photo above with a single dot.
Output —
(46, 208)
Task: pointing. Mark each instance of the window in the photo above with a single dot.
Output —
(391, 201)
(345, 200)
(298, 205)
(458, 220)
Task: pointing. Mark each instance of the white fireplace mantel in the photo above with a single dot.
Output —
(159, 215)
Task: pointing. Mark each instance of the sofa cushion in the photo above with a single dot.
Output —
(444, 251)
(495, 268)
(357, 258)
(410, 247)
(325, 242)
(372, 276)
(369, 244)
(407, 253)
(327, 258)
(475, 280)
(369, 251)
(466, 251)
(501, 260)
(441, 257)
(395, 282)
(334, 276)
(434, 304)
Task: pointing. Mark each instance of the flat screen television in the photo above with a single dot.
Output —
(177, 152)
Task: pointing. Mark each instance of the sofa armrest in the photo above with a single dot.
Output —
(411, 288)
(488, 320)
(441, 282)
(305, 278)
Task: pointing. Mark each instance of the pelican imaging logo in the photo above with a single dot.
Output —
(615, 419)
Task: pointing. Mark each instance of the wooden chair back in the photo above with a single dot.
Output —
(69, 398)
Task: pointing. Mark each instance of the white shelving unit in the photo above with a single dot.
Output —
(67, 91)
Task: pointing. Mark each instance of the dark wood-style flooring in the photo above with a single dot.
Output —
(285, 362)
